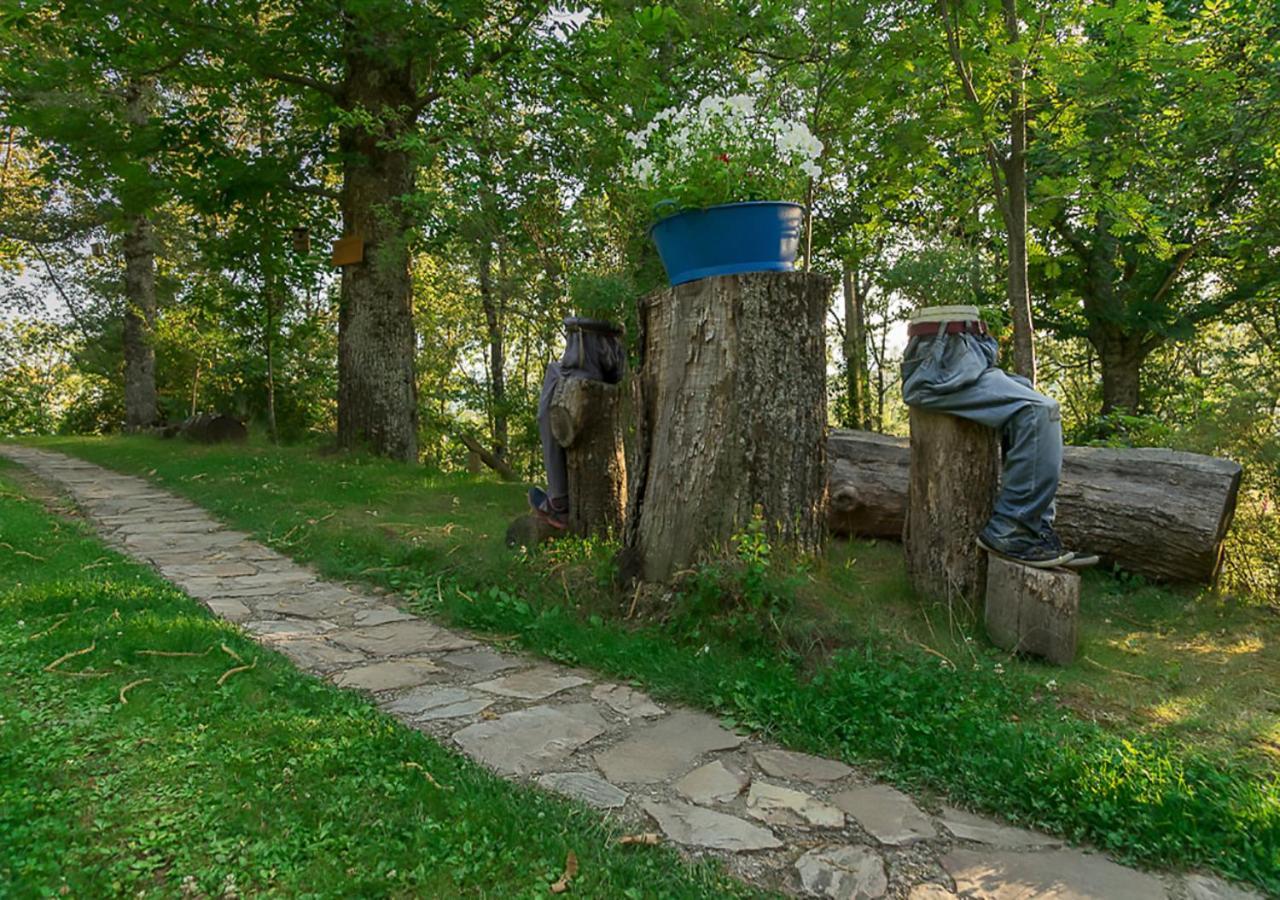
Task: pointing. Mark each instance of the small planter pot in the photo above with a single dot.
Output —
(761, 236)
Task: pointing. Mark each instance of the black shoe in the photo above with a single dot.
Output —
(1038, 552)
(1078, 560)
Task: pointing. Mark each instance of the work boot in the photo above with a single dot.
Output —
(1030, 550)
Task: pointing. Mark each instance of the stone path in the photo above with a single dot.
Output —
(779, 819)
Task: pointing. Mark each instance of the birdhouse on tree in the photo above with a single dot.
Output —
(301, 240)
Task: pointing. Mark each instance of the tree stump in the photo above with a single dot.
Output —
(1033, 611)
(954, 473)
(586, 420)
(731, 414)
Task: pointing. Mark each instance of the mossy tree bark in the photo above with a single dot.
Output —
(377, 389)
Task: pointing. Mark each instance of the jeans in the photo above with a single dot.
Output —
(553, 458)
(957, 374)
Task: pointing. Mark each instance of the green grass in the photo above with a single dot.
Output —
(272, 782)
(1158, 745)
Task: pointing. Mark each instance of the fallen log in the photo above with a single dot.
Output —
(1160, 513)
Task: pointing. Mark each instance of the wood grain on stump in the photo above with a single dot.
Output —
(954, 474)
(586, 419)
(1033, 611)
(731, 414)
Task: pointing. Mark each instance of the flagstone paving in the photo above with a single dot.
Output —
(784, 820)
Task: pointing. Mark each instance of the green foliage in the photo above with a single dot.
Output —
(739, 601)
(610, 296)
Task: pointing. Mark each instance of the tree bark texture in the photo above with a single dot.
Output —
(855, 350)
(1015, 183)
(497, 362)
(140, 408)
(1120, 355)
(953, 476)
(139, 321)
(586, 419)
(1160, 513)
(377, 389)
(731, 415)
(1033, 611)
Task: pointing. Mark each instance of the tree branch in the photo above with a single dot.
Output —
(994, 161)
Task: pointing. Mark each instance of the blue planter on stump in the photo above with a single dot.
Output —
(761, 236)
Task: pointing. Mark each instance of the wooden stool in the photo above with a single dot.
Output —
(954, 473)
(1033, 611)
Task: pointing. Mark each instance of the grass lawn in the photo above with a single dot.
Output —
(131, 774)
(1160, 744)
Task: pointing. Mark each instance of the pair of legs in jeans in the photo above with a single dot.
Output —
(957, 374)
(593, 350)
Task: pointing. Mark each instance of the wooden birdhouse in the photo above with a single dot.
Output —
(301, 240)
(348, 251)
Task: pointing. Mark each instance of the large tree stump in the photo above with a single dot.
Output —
(586, 420)
(1160, 513)
(1033, 611)
(731, 415)
(954, 470)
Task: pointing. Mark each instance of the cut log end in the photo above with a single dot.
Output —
(1033, 611)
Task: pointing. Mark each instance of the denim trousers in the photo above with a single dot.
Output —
(553, 456)
(957, 374)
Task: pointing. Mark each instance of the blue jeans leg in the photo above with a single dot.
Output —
(553, 458)
(961, 379)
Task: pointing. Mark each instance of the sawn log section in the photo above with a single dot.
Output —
(1159, 513)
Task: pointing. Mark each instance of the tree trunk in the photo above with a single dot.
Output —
(139, 290)
(586, 419)
(497, 363)
(1033, 611)
(855, 351)
(377, 389)
(1015, 171)
(1121, 356)
(1159, 513)
(731, 417)
(269, 340)
(954, 471)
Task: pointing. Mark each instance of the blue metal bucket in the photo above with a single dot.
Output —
(761, 236)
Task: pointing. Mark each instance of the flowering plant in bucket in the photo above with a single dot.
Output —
(721, 150)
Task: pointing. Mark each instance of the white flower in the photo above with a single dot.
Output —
(758, 77)
(811, 169)
(741, 103)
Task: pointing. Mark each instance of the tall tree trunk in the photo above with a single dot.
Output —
(377, 388)
(1121, 355)
(269, 333)
(855, 350)
(1015, 171)
(497, 361)
(139, 289)
(195, 387)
